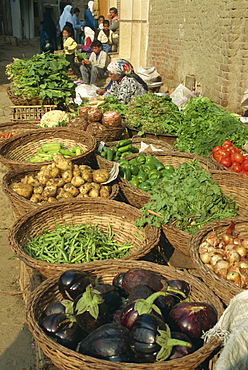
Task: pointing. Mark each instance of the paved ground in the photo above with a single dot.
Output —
(16, 350)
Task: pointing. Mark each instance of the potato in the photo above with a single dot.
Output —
(67, 175)
(53, 172)
(85, 188)
(83, 167)
(38, 189)
(100, 176)
(42, 178)
(64, 195)
(94, 193)
(24, 190)
(49, 191)
(95, 185)
(51, 199)
(76, 170)
(104, 191)
(24, 180)
(33, 181)
(71, 189)
(61, 162)
(36, 198)
(59, 182)
(77, 181)
(87, 176)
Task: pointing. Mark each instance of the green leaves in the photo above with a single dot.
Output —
(89, 301)
(187, 200)
(43, 76)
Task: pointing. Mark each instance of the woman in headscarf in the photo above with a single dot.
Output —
(48, 34)
(90, 21)
(66, 19)
(125, 82)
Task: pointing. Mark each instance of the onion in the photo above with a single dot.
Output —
(232, 256)
(111, 118)
(203, 247)
(222, 273)
(212, 239)
(237, 241)
(215, 258)
(227, 239)
(243, 264)
(230, 246)
(221, 264)
(235, 277)
(205, 257)
(242, 251)
(245, 243)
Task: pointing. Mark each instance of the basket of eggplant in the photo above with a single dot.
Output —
(124, 316)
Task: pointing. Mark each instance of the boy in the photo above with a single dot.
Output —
(70, 47)
(96, 67)
(106, 36)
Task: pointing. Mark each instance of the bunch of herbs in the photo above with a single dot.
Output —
(187, 200)
(43, 76)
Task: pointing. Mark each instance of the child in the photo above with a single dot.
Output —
(100, 22)
(96, 67)
(106, 36)
(70, 47)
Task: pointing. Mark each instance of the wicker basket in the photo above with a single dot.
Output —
(233, 185)
(30, 113)
(137, 197)
(66, 359)
(15, 150)
(22, 205)
(109, 134)
(20, 100)
(15, 127)
(170, 139)
(98, 211)
(222, 287)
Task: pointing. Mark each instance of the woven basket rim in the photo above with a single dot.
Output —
(25, 101)
(151, 237)
(225, 287)
(86, 362)
(90, 142)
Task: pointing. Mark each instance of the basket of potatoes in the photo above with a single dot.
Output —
(28, 188)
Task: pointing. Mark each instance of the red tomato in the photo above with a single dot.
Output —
(238, 157)
(237, 167)
(244, 172)
(226, 161)
(233, 149)
(223, 152)
(245, 165)
(217, 156)
(227, 144)
(216, 149)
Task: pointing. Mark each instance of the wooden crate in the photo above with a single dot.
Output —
(29, 113)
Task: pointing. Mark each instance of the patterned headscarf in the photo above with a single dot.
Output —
(120, 67)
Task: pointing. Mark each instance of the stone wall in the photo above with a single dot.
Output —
(207, 39)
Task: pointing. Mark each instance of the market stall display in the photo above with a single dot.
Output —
(9, 129)
(227, 277)
(15, 152)
(111, 217)
(65, 358)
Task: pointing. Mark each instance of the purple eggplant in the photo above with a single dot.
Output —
(139, 307)
(52, 308)
(182, 288)
(179, 350)
(108, 342)
(139, 276)
(110, 295)
(150, 335)
(90, 310)
(61, 327)
(193, 318)
(165, 304)
(139, 292)
(72, 283)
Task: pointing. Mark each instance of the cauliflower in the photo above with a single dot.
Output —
(52, 118)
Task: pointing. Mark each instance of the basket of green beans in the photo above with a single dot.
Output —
(68, 234)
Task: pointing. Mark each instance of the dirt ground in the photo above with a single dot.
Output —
(16, 343)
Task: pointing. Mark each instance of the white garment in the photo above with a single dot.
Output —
(88, 32)
(90, 5)
(66, 16)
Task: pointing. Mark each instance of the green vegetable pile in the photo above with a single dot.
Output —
(122, 149)
(48, 150)
(76, 244)
(43, 76)
(205, 125)
(112, 103)
(154, 114)
(187, 200)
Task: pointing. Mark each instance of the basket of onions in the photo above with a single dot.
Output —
(103, 126)
(219, 251)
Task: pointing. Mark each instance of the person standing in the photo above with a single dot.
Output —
(48, 33)
(66, 19)
(114, 26)
(90, 21)
(96, 67)
(77, 24)
(70, 47)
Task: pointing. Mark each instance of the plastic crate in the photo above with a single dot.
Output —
(30, 113)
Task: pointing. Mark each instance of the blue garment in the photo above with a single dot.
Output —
(90, 21)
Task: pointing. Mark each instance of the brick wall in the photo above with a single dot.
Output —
(207, 39)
